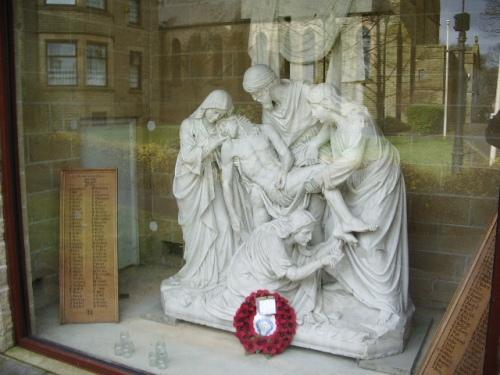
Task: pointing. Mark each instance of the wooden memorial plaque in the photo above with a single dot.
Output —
(460, 341)
(88, 246)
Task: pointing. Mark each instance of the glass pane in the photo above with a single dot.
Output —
(133, 11)
(96, 51)
(96, 72)
(61, 49)
(61, 2)
(96, 65)
(61, 71)
(134, 78)
(234, 117)
(100, 4)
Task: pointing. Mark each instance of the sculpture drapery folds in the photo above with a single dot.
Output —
(261, 207)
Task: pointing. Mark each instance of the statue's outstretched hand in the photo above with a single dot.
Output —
(327, 260)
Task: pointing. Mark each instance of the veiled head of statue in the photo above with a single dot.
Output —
(216, 105)
(257, 78)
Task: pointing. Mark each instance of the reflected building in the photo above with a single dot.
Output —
(89, 69)
(87, 84)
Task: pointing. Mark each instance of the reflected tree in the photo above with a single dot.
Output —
(491, 16)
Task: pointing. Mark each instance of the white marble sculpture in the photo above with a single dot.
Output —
(366, 167)
(208, 238)
(261, 192)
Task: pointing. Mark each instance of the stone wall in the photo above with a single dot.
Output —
(51, 117)
(448, 216)
(6, 328)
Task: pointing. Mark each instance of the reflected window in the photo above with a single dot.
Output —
(97, 4)
(133, 11)
(367, 42)
(176, 59)
(61, 64)
(96, 65)
(422, 75)
(135, 70)
(60, 2)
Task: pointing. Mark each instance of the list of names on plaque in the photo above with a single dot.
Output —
(459, 344)
(88, 254)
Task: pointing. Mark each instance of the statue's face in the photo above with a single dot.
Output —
(320, 113)
(303, 236)
(230, 129)
(213, 115)
(263, 97)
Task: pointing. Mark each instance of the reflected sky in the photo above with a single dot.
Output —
(480, 25)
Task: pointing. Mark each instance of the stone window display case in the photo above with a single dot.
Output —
(332, 151)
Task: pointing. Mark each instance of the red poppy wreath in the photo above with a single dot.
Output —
(269, 335)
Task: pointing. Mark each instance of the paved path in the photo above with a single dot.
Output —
(11, 366)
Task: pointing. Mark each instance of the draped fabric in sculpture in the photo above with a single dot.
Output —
(366, 168)
(348, 280)
(203, 216)
(293, 120)
(266, 261)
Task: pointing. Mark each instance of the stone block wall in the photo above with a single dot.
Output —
(448, 217)
(6, 328)
(50, 117)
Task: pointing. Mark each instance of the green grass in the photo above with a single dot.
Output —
(166, 135)
(424, 150)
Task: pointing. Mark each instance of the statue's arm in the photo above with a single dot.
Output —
(227, 178)
(347, 163)
(322, 137)
(191, 150)
(295, 273)
(279, 145)
(315, 143)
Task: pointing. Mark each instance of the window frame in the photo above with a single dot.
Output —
(139, 13)
(104, 8)
(106, 63)
(46, 2)
(138, 54)
(47, 58)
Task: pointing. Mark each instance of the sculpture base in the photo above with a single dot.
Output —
(344, 336)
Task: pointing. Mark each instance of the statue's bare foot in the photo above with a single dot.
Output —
(384, 317)
(357, 225)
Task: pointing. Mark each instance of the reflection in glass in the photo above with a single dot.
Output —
(96, 65)
(61, 63)
(389, 56)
